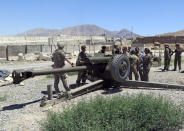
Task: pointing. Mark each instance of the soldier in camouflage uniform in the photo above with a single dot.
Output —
(133, 65)
(177, 59)
(114, 49)
(80, 61)
(146, 64)
(129, 49)
(118, 50)
(167, 58)
(140, 62)
(102, 51)
(125, 51)
(59, 58)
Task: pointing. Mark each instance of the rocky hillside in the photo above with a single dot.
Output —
(86, 29)
(39, 32)
(177, 33)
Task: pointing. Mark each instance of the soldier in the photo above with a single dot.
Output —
(103, 50)
(118, 51)
(177, 59)
(167, 58)
(114, 49)
(59, 58)
(129, 48)
(146, 64)
(80, 61)
(124, 51)
(140, 62)
(133, 65)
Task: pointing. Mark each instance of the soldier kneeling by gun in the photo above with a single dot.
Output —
(58, 57)
(80, 61)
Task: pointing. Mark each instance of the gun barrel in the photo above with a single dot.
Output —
(58, 70)
(20, 75)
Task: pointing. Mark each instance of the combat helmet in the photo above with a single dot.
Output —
(60, 45)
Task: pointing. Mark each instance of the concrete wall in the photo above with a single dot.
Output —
(14, 50)
(33, 48)
(2, 51)
(32, 40)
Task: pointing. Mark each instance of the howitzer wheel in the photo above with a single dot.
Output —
(120, 67)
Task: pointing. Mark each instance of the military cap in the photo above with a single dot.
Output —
(83, 47)
(177, 44)
(166, 46)
(60, 45)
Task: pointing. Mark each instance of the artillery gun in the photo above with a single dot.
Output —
(112, 69)
(103, 71)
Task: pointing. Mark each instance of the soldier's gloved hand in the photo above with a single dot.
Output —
(72, 64)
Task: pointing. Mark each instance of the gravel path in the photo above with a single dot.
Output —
(21, 111)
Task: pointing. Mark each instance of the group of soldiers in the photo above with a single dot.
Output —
(167, 57)
(140, 63)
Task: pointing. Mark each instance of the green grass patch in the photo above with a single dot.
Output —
(72, 73)
(140, 112)
(50, 76)
(3, 98)
(68, 73)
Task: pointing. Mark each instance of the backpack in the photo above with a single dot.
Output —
(58, 58)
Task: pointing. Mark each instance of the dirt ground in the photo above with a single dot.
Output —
(19, 110)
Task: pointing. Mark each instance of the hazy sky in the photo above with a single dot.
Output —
(144, 17)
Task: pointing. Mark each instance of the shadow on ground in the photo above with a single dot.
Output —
(111, 91)
(18, 106)
(45, 92)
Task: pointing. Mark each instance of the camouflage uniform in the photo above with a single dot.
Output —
(166, 58)
(146, 66)
(140, 65)
(81, 74)
(133, 66)
(117, 51)
(113, 51)
(177, 59)
(124, 51)
(102, 51)
(58, 58)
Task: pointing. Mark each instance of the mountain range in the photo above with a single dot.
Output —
(177, 33)
(86, 29)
